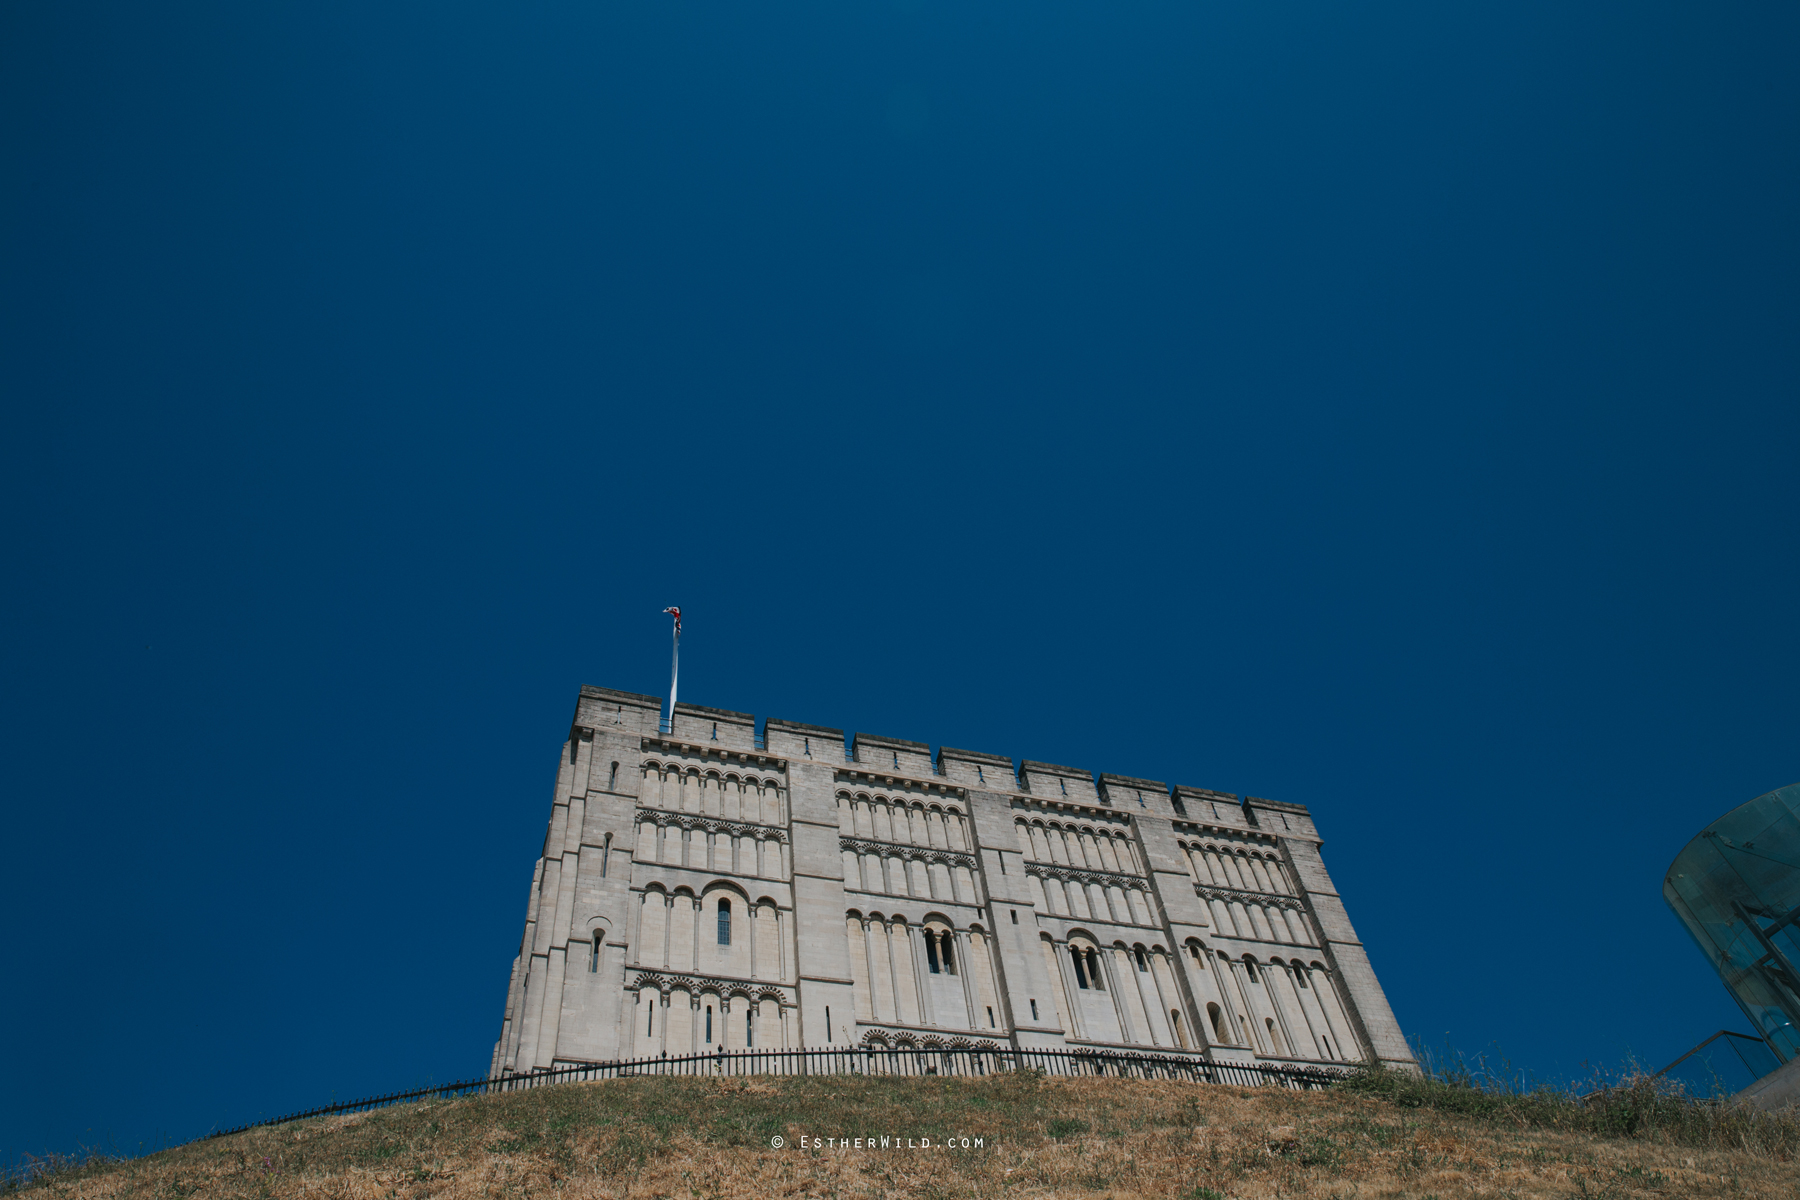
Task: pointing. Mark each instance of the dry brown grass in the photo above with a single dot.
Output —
(703, 1139)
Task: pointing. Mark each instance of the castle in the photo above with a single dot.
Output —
(703, 887)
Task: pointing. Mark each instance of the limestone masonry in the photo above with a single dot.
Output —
(703, 888)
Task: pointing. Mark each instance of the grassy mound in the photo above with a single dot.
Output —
(1378, 1135)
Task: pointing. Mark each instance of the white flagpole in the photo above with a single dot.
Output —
(674, 673)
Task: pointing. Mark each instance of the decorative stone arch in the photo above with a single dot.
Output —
(708, 889)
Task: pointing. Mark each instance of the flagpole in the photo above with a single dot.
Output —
(674, 675)
(674, 665)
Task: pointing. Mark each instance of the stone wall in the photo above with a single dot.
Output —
(706, 887)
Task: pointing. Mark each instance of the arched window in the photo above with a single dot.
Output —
(1093, 962)
(944, 953)
(931, 958)
(1199, 955)
(1175, 1024)
(594, 954)
(1300, 975)
(1218, 1024)
(709, 1024)
(749, 1026)
(1080, 967)
(1250, 967)
(724, 922)
(1141, 964)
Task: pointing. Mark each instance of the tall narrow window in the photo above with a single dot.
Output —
(1013, 911)
(612, 782)
(949, 962)
(709, 1024)
(1250, 968)
(1141, 964)
(808, 742)
(828, 1022)
(605, 853)
(594, 955)
(979, 777)
(931, 958)
(715, 736)
(724, 922)
(749, 1028)
(650, 1018)
(1063, 786)
(1093, 960)
(991, 1024)
(1034, 1015)
(1175, 1024)
(1080, 967)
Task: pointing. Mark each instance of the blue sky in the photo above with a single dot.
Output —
(1387, 408)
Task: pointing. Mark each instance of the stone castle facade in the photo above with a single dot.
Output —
(703, 887)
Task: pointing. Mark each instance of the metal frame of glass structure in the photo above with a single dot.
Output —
(1737, 889)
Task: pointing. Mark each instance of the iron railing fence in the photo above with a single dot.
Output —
(874, 1060)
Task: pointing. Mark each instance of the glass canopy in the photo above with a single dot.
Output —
(1737, 889)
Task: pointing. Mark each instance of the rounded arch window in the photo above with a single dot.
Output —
(724, 922)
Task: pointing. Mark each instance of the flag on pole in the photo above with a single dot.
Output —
(674, 666)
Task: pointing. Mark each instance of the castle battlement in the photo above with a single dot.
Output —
(703, 886)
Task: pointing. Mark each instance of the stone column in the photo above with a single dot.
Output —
(1163, 1007)
(1108, 967)
(1231, 999)
(1269, 974)
(869, 956)
(887, 935)
(1250, 1018)
(1059, 956)
(668, 921)
(1312, 1031)
(927, 1011)
(1325, 990)
(1150, 1014)
(990, 946)
(960, 937)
